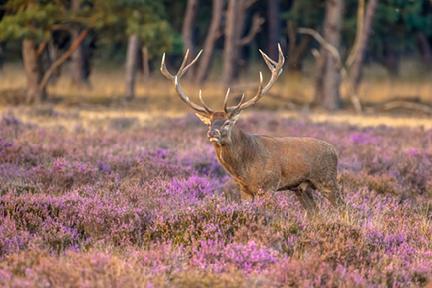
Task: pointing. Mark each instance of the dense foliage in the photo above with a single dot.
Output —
(117, 202)
(113, 19)
(159, 22)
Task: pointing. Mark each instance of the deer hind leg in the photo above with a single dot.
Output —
(305, 196)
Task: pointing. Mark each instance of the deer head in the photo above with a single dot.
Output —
(221, 123)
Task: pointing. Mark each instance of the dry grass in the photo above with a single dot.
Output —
(156, 98)
(108, 86)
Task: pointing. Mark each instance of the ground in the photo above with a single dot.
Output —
(121, 198)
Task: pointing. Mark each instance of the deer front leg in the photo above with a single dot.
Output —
(246, 194)
(231, 191)
(305, 196)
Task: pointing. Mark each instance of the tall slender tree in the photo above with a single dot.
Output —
(79, 71)
(274, 27)
(131, 65)
(328, 79)
(213, 35)
(145, 26)
(356, 59)
(234, 39)
(189, 28)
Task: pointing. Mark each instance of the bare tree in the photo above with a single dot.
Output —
(189, 27)
(212, 36)
(131, 66)
(234, 27)
(424, 49)
(145, 62)
(296, 49)
(327, 88)
(38, 78)
(79, 73)
(1, 55)
(356, 59)
(32, 70)
(273, 16)
(353, 66)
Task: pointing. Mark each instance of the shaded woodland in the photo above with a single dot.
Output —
(340, 35)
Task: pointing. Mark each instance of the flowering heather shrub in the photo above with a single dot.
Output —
(120, 203)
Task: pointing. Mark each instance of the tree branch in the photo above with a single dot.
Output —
(257, 21)
(327, 46)
(335, 54)
(57, 63)
(41, 48)
(403, 104)
(360, 24)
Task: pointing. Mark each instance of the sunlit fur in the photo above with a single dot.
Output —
(262, 164)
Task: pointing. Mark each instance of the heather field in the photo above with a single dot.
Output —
(124, 201)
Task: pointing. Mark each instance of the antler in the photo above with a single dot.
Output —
(176, 78)
(276, 71)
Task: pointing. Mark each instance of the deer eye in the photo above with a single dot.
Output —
(226, 124)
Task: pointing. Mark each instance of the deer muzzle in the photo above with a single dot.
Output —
(214, 136)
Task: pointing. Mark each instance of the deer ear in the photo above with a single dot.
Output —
(234, 116)
(204, 118)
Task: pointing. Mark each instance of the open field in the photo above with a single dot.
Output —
(107, 88)
(119, 198)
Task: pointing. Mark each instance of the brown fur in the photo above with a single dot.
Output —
(262, 164)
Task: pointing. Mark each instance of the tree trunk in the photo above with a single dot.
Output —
(53, 54)
(32, 71)
(145, 63)
(355, 72)
(234, 26)
(131, 66)
(188, 25)
(61, 60)
(1, 55)
(230, 48)
(273, 16)
(212, 36)
(424, 49)
(188, 31)
(329, 95)
(391, 60)
(37, 77)
(296, 51)
(79, 75)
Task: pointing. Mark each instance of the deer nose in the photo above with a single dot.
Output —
(213, 133)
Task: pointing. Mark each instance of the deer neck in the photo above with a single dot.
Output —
(235, 155)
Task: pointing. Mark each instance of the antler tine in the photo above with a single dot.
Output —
(176, 78)
(185, 69)
(207, 108)
(252, 101)
(226, 108)
(185, 98)
(275, 69)
(164, 70)
(239, 104)
(270, 62)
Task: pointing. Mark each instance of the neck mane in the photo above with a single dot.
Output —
(234, 155)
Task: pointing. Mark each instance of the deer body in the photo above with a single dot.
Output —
(262, 164)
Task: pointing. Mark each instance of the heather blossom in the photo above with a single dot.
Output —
(145, 204)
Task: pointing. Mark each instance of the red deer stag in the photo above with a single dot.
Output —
(260, 164)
